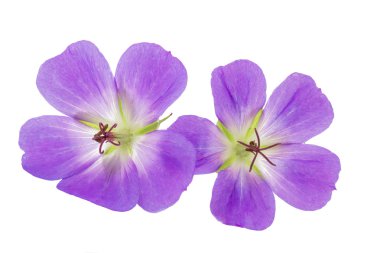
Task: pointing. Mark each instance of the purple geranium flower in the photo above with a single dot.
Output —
(260, 151)
(108, 150)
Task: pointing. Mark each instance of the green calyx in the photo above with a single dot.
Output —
(120, 103)
(89, 124)
(227, 163)
(254, 124)
(225, 131)
(152, 127)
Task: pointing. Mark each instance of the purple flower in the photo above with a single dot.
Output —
(107, 150)
(260, 151)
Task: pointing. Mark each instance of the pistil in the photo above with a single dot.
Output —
(256, 149)
(104, 136)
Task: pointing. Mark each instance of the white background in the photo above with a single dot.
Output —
(336, 42)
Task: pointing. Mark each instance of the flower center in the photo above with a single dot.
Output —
(256, 149)
(104, 136)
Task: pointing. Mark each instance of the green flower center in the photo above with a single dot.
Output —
(242, 152)
(122, 138)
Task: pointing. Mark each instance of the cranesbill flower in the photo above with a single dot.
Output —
(108, 150)
(260, 151)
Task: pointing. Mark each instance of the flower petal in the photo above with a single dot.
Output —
(165, 163)
(149, 79)
(79, 83)
(56, 147)
(304, 175)
(206, 139)
(239, 93)
(296, 111)
(110, 182)
(241, 198)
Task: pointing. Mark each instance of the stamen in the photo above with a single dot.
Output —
(104, 136)
(256, 149)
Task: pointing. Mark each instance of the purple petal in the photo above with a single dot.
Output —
(165, 162)
(296, 111)
(149, 80)
(206, 139)
(239, 93)
(79, 83)
(304, 175)
(241, 198)
(111, 182)
(56, 147)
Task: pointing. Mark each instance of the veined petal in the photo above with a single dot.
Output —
(165, 163)
(206, 139)
(241, 198)
(110, 182)
(296, 111)
(304, 175)
(149, 80)
(56, 147)
(239, 93)
(79, 83)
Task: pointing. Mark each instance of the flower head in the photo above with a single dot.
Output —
(259, 150)
(108, 150)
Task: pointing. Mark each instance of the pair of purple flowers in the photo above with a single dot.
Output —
(109, 151)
